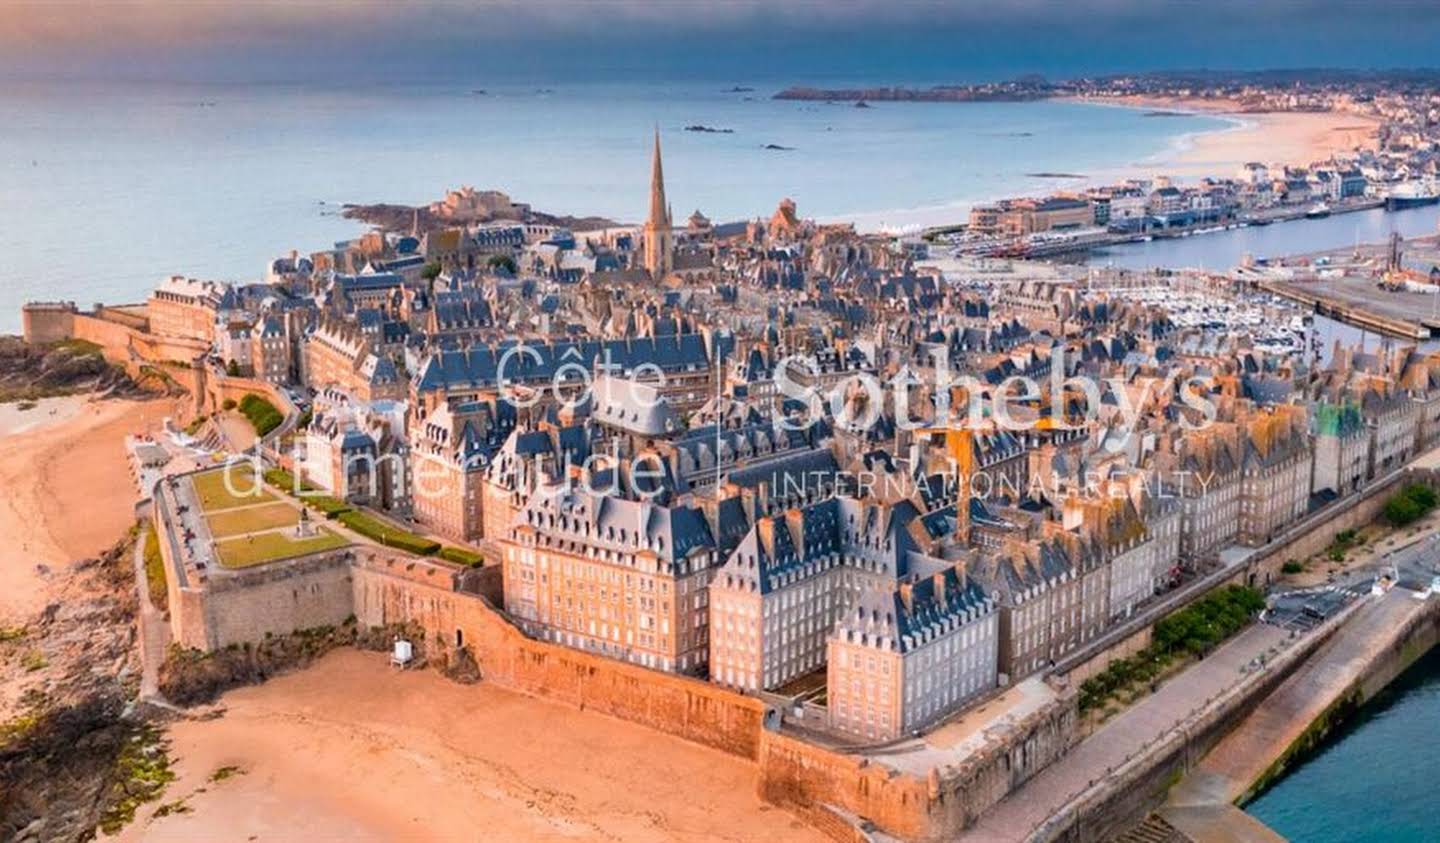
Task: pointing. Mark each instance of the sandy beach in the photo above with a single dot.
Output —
(352, 749)
(67, 488)
(1274, 138)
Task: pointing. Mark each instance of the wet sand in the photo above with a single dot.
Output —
(352, 749)
(67, 492)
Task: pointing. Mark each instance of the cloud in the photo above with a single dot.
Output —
(273, 38)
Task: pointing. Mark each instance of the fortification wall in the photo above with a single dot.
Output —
(273, 599)
(121, 331)
(112, 337)
(1136, 788)
(134, 315)
(218, 390)
(1315, 536)
(797, 775)
(391, 589)
(278, 598)
(46, 322)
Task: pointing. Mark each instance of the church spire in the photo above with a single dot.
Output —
(659, 243)
(658, 206)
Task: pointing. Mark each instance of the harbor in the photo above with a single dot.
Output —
(1224, 250)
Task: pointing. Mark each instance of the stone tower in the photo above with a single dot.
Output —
(659, 245)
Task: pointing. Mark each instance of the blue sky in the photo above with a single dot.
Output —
(905, 41)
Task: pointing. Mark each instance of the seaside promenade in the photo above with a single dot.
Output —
(1125, 736)
(1349, 668)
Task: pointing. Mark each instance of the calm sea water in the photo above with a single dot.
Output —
(1224, 249)
(1374, 780)
(103, 190)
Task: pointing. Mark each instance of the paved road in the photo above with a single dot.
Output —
(1123, 736)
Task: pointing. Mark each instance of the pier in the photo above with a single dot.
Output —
(1353, 312)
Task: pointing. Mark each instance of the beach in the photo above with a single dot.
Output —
(353, 749)
(68, 493)
(1273, 138)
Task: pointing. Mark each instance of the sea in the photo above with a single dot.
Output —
(1374, 779)
(105, 189)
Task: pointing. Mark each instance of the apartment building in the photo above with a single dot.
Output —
(1341, 449)
(187, 307)
(778, 595)
(626, 579)
(1275, 473)
(1052, 594)
(904, 658)
(449, 451)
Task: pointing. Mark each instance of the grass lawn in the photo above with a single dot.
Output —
(268, 547)
(210, 487)
(252, 519)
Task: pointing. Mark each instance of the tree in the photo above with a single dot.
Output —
(431, 271)
(232, 369)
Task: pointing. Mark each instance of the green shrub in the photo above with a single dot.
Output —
(228, 404)
(326, 505)
(1410, 504)
(262, 414)
(1193, 630)
(282, 480)
(390, 536)
(461, 556)
(1291, 567)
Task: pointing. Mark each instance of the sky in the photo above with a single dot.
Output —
(900, 41)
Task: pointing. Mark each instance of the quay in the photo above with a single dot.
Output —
(1086, 240)
(1353, 312)
(1387, 288)
(1384, 637)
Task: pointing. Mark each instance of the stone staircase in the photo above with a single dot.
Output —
(1153, 830)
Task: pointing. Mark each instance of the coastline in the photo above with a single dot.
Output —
(1275, 138)
(57, 466)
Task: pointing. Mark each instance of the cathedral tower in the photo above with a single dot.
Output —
(659, 245)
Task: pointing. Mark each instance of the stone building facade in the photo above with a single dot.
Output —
(622, 578)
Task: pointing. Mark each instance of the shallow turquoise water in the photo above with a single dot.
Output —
(1376, 778)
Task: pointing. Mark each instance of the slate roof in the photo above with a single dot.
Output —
(910, 617)
(478, 367)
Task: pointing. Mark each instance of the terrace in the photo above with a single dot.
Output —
(246, 523)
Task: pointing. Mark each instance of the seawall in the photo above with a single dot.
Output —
(1376, 645)
(838, 793)
(1128, 793)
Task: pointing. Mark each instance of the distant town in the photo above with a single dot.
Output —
(907, 521)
